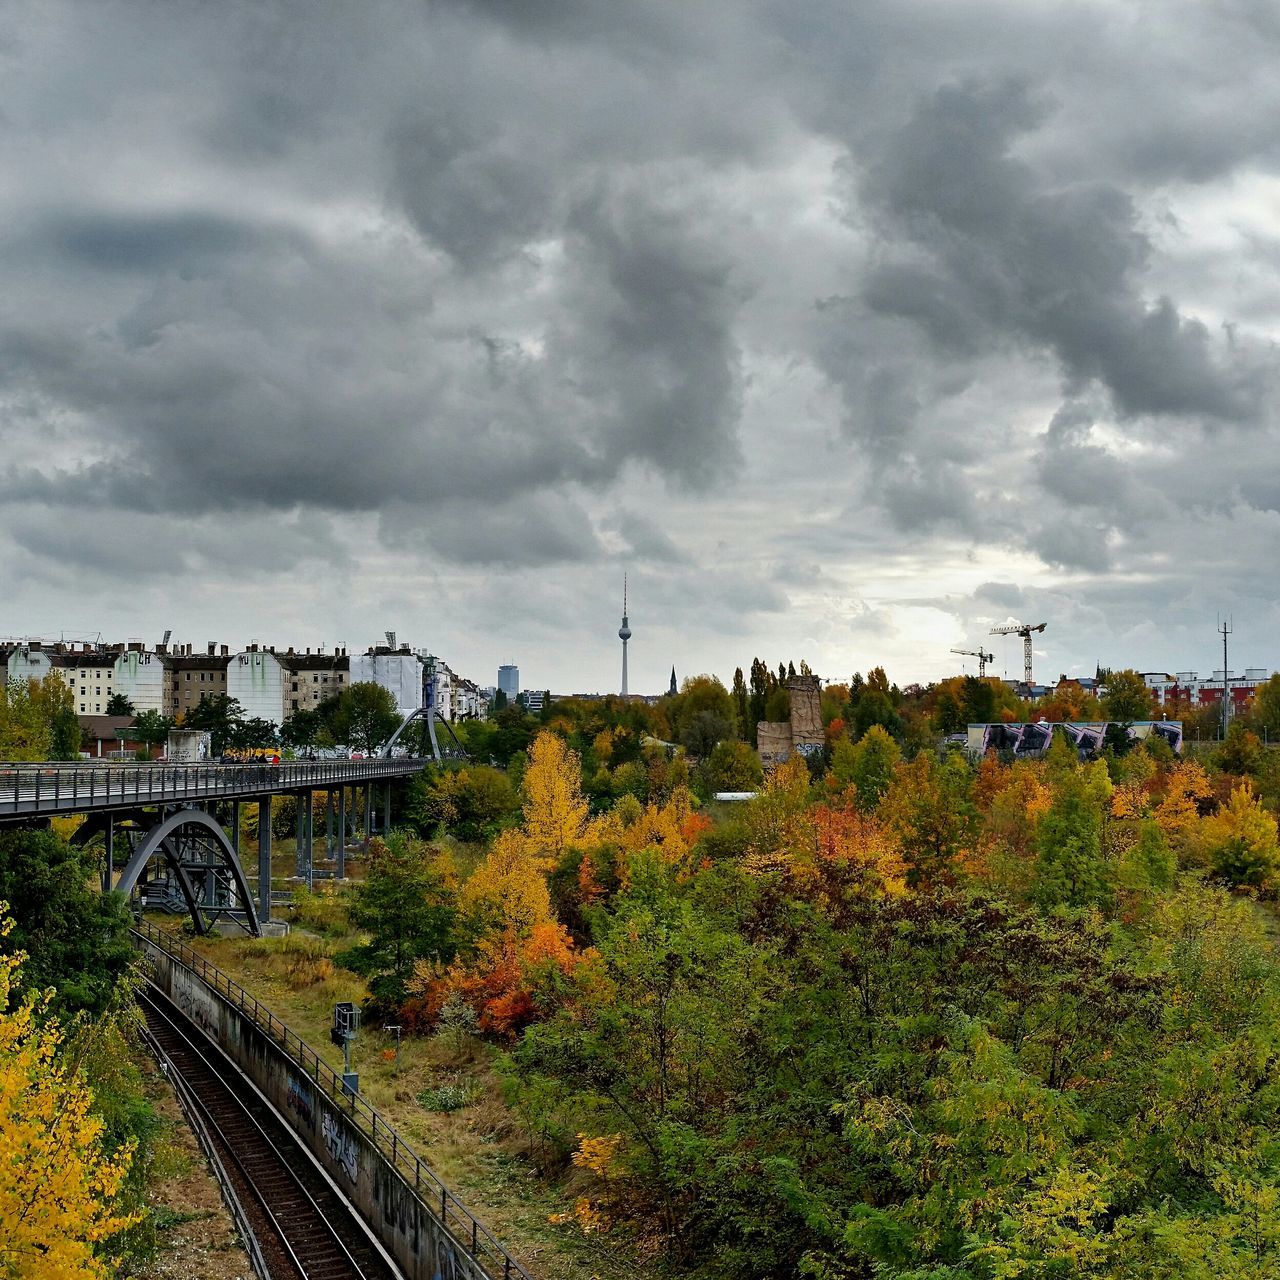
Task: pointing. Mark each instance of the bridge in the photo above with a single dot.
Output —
(164, 818)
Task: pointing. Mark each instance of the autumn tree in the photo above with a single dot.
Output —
(24, 731)
(555, 811)
(507, 891)
(1241, 753)
(57, 1182)
(1240, 842)
(928, 812)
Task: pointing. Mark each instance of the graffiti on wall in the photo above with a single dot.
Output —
(196, 1001)
(340, 1145)
(297, 1096)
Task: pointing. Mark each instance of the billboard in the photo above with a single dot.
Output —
(1031, 739)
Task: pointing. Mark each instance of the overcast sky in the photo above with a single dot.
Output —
(847, 330)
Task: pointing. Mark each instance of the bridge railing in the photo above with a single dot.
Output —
(418, 1176)
(39, 787)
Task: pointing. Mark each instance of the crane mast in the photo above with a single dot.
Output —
(983, 659)
(1024, 630)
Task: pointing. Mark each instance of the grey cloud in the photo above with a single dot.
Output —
(1035, 262)
(651, 341)
(525, 531)
(645, 540)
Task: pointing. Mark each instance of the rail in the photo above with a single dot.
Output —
(46, 788)
(457, 1221)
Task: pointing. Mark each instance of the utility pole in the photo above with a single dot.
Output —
(1224, 626)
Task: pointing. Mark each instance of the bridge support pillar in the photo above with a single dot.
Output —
(264, 858)
(328, 825)
(306, 820)
(386, 812)
(235, 826)
(340, 870)
(368, 813)
(109, 866)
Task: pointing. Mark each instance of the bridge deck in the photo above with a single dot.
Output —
(43, 790)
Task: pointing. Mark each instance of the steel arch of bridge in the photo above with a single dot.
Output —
(202, 860)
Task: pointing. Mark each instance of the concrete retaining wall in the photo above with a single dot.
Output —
(406, 1228)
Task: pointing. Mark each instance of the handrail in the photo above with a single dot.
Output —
(81, 786)
(457, 1221)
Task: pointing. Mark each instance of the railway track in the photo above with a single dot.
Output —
(305, 1230)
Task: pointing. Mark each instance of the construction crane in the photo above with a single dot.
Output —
(983, 659)
(1024, 630)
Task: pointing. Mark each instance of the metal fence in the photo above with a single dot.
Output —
(419, 1178)
(78, 788)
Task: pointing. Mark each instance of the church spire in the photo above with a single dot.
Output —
(675, 688)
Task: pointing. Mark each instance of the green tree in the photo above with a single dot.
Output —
(977, 701)
(251, 734)
(76, 938)
(152, 727)
(741, 707)
(1127, 697)
(1265, 713)
(760, 682)
(408, 902)
(119, 705)
(947, 716)
(867, 765)
(1242, 753)
(702, 714)
(733, 766)
(472, 803)
(58, 705)
(305, 729)
(366, 716)
(219, 713)
(1070, 867)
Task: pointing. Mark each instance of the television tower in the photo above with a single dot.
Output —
(624, 634)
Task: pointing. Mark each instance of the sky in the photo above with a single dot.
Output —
(847, 331)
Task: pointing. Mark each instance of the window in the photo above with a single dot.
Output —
(188, 677)
(315, 679)
(295, 690)
(82, 708)
(295, 704)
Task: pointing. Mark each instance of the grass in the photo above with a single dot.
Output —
(474, 1142)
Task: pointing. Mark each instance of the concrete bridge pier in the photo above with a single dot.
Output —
(386, 812)
(264, 859)
(109, 866)
(341, 869)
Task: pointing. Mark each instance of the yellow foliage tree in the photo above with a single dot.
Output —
(555, 812)
(507, 890)
(1177, 813)
(56, 1182)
